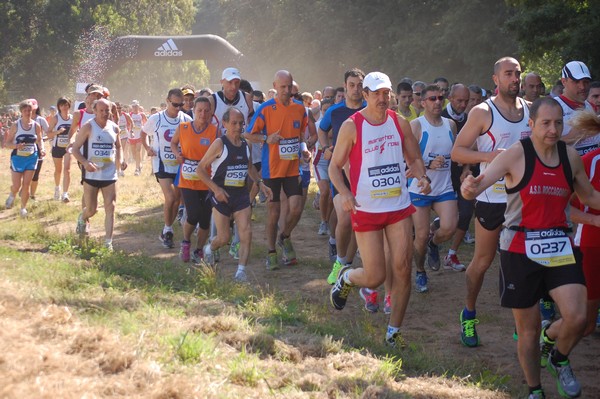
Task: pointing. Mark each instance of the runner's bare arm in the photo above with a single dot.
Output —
(346, 139)
(175, 146)
(10, 136)
(413, 158)
(39, 140)
(75, 124)
(255, 176)
(509, 163)
(214, 151)
(250, 104)
(254, 133)
(51, 132)
(128, 121)
(478, 122)
(82, 135)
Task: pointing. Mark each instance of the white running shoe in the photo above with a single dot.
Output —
(9, 201)
(23, 212)
(57, 193)
(65, 197)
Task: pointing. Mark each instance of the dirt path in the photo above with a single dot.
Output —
(432, 318)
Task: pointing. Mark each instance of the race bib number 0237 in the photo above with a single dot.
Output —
(550, 248)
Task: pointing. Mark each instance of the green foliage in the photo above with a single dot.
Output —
(319, 41)
(244, 370)
(557, 31)
(190, 348)
(38, 38)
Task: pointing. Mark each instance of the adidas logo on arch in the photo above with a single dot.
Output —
(168, 49)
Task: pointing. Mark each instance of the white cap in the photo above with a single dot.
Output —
(576, 70)
(231, 73)
(377, 80)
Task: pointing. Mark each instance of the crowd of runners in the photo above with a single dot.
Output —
(400, 170)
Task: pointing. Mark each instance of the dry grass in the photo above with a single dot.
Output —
(94, 329)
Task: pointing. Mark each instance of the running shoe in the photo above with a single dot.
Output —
(340, 290)
(272, 262)
(65, 197)
(537, 394)
(180, 213)
(451, 262)
(316, 204)
(262, 198)
(387, 305)
(23, 212)
(32, 198)
(137, 172)
(208, 255)
(83, 226)
(234, 250)
(323, 229)
(167, 239)
(335, 270)
(109, 246)
(433, 226)
(9, 201)
(56, 193)
(468, 238)
(547, 309)
(288, 255)
(567, 384)
(395, 340)
(421, 282)
(546, 345)
(184, 251)
(370, 299)
(197, 256)
(332, 252)
(433, 255)
(241, 277)
(468, 335)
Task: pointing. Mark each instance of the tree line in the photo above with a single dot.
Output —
(317, 40)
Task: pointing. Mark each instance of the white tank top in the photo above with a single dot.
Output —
(62, 140)
(435, 140)
(585, 145)
(101, 150)
(377, 177)
(136, 131)
(27, 136)
(220, 108)
(162, 128)
(502, 133)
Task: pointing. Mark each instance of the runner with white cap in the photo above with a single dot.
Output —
(576, 80)
(376, 142)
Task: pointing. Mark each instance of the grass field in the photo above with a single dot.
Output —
(79, 321)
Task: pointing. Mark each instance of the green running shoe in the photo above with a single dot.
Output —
(468, 334)
(334, 273)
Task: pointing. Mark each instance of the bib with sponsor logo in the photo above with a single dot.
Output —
(549, 247)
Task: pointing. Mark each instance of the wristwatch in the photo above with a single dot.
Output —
(426, 178)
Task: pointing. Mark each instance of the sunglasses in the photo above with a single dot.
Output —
(433, 98)
(417, 94)
(177, 105)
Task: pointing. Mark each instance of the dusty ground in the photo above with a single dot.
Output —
(45, 330)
